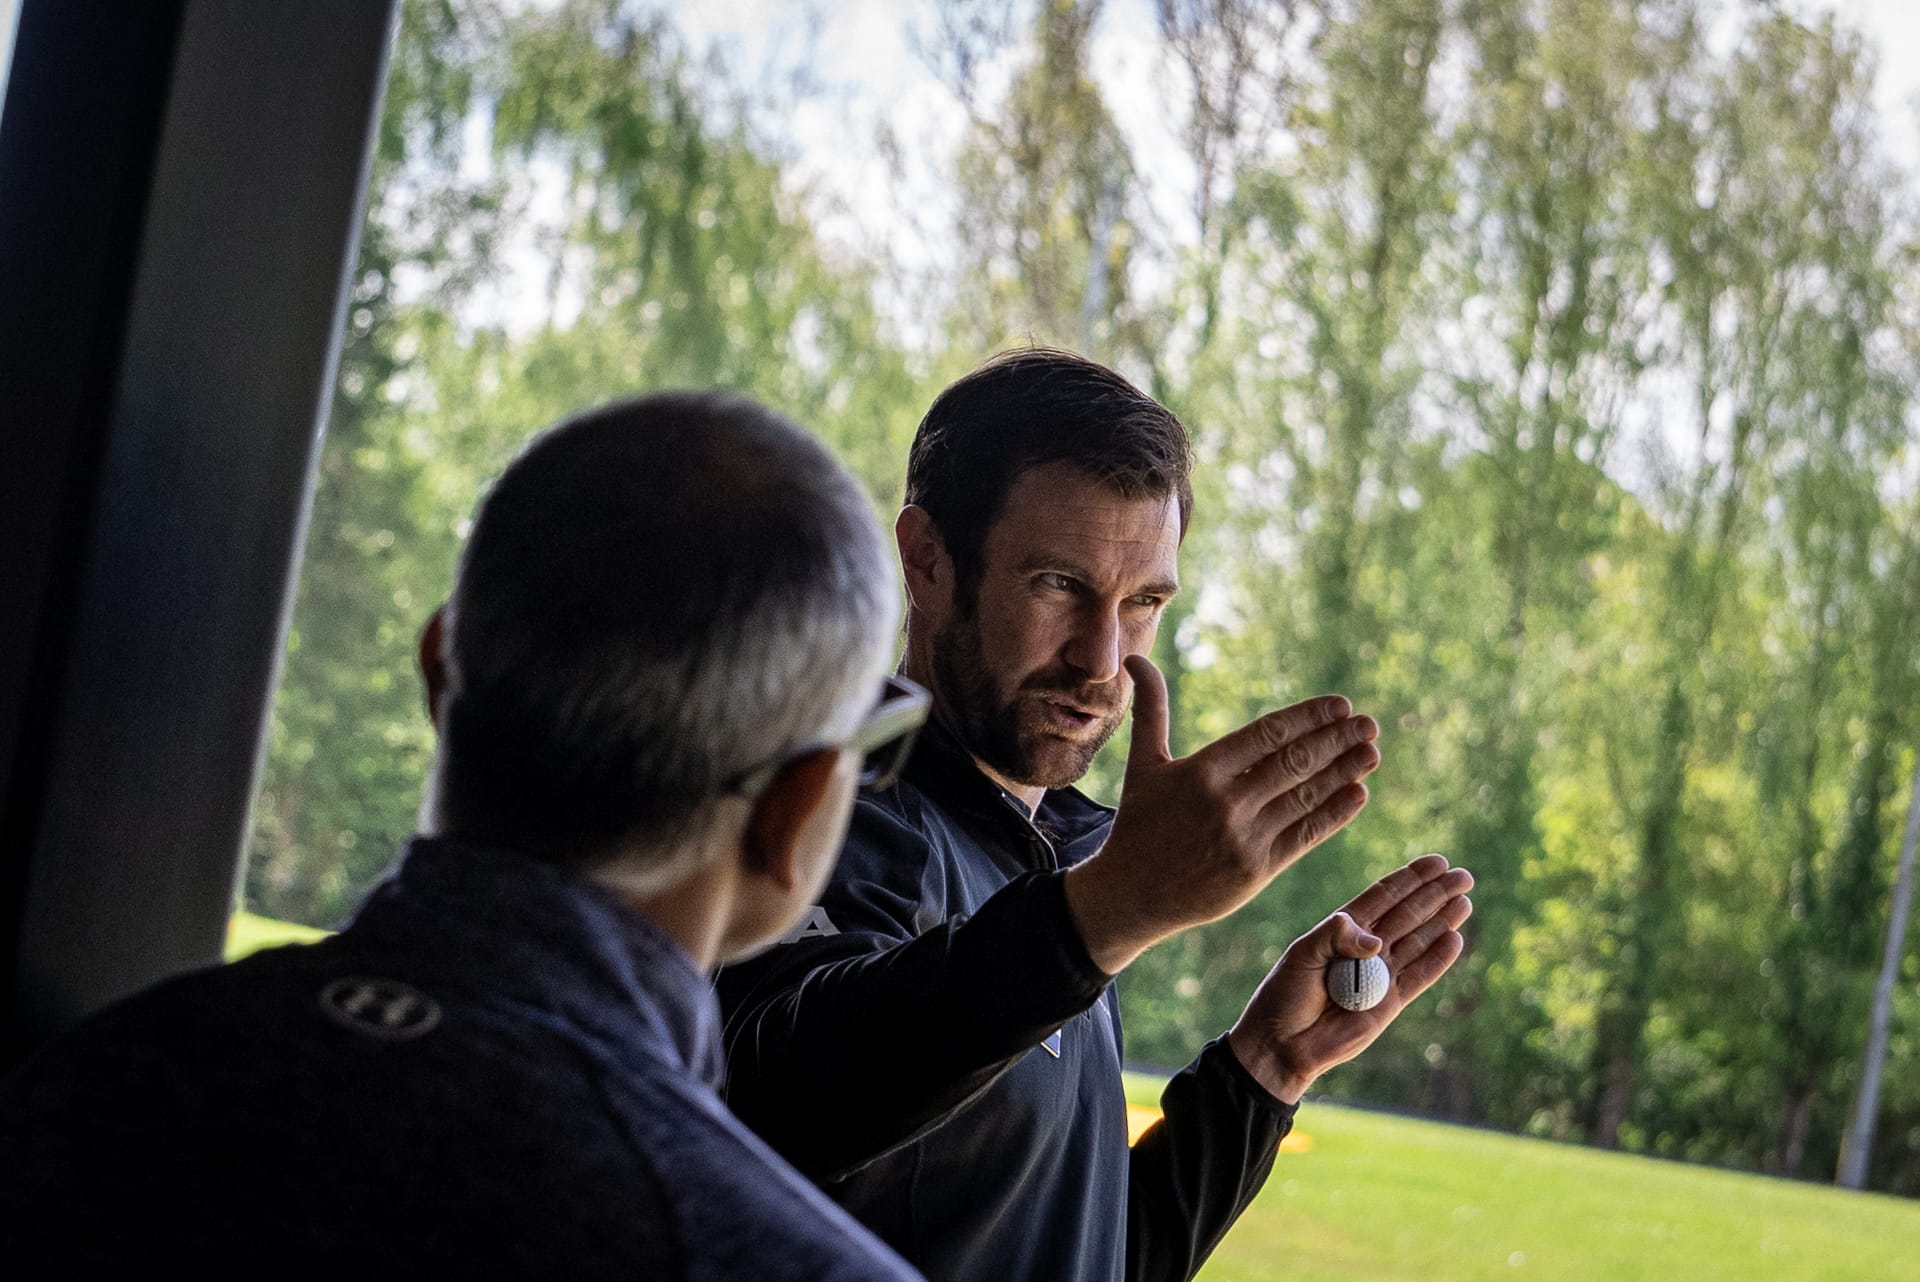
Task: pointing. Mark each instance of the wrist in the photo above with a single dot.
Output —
(1266, 1066)
(1111, 939)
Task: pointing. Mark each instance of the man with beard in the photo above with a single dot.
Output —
(939, 1043)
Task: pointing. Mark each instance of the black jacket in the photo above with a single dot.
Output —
(498, 1071)
(935, 1046)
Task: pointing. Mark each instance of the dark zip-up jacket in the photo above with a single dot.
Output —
(498, 1071)
(935, 1046)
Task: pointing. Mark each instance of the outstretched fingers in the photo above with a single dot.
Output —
(1296, 804)
(1267, 736)
(1294, 763)
(1422, 903)
(1415, 942)
(1376, 901)
(1329, 817)
(1423, 970)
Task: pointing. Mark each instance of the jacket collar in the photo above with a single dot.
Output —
(509, 927)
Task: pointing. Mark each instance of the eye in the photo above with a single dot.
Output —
(1151, 604)
(1054, 582)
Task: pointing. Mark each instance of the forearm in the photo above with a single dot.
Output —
(837, 1062)
(1196, 1170)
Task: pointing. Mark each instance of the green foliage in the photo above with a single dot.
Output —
(1551, 371)
(688, 265)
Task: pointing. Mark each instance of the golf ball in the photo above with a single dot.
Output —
(1357, 983)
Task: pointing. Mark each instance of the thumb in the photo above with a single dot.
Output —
(1337, 936)
(1148, 746)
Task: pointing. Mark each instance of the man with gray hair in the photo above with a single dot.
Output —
(655, 685)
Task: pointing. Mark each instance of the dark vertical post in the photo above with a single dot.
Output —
(1856, 1143)
(180, 201)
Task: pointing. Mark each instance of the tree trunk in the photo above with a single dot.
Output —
(1790, 1140)
(1616, 1097)
(1648, 926)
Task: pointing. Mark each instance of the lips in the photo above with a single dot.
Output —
(1069, 716)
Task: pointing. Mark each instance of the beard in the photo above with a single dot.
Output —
(1010, 732)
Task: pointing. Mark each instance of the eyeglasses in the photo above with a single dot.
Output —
(885, 739)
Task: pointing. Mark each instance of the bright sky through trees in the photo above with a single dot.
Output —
(869, 140)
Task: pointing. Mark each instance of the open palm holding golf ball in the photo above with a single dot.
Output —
(1338, 986)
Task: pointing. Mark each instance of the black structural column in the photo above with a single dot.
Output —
(181, 185)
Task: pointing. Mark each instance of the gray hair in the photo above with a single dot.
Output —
(658, 595)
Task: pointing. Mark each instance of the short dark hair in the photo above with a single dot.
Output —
(656, 595)
(1025, 409)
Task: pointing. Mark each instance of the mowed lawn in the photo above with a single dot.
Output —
(1373, 1196)
(249, 933)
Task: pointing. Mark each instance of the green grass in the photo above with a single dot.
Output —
(248, 933)
(1391, 1198)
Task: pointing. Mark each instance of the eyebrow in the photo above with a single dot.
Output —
(1072, 569)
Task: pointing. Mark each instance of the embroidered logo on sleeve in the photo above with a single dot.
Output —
(382, 1008)
(816, 925)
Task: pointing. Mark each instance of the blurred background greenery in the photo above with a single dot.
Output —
(1551, 365)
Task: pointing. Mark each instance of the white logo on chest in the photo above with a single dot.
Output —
(816, 925)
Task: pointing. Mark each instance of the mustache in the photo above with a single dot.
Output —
(1103, 700)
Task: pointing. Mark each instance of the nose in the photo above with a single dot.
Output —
(1094, 649)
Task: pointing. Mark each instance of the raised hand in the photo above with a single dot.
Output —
(1291, 1032)
(1197, 837)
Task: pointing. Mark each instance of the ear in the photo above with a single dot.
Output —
(924, 560)
(433, 664)
(776, 842)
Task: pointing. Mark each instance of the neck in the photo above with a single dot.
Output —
(693, 912)
(1029, 794)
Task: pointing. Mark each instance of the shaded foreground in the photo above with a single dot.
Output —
(1359, 1195)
